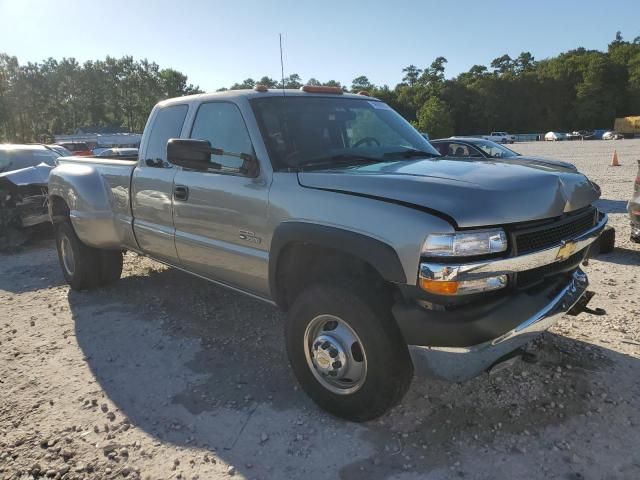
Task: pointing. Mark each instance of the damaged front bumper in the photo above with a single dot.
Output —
(460, 342)
(462, 363)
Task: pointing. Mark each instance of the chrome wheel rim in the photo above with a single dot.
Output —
(67, 255)
(335, 354)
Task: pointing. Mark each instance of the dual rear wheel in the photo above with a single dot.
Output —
(85, 267)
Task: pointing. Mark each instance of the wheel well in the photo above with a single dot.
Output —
(59, 209)
(302, 264)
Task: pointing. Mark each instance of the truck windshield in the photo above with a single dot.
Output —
(303, 132)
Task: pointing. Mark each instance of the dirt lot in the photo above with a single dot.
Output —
(165, 376)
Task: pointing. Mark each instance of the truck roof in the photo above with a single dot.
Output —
(251, 93)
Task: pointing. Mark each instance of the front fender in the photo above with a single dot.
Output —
(382, 257)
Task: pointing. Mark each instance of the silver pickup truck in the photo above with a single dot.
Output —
(331, 206)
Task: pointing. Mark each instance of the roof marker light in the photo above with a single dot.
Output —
(321, 89)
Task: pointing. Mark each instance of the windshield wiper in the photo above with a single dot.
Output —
(410, 152)
(340, 160)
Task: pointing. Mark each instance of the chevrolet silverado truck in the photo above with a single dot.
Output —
(385, 256)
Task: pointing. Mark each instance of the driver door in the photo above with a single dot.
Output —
(220, 216)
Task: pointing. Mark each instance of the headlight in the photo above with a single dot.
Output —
(465, 244)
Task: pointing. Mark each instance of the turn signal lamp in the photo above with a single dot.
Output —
(466, 287)
(438, 287)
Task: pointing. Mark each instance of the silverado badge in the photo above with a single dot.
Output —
(565, 251)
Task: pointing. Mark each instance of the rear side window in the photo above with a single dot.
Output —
(222, 124)
(167, 124)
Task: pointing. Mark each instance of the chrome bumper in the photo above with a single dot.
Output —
(458, 364)
(494, 267)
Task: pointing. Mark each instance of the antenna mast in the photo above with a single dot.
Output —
(281, 65)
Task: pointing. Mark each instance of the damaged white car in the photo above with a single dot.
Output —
(24, 172)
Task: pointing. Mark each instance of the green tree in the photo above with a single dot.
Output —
(292, 81)
(503, 65)
(361, 83)
(38, 100)
(411, 75)
(268, 82)
(247, 84)
(435, 119)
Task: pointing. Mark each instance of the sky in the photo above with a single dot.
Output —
(217, 43)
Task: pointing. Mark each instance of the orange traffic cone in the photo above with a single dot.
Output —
(614, 159)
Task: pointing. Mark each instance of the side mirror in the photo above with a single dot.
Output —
(196, 155)
(189, 153)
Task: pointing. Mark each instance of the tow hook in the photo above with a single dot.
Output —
(581, 306)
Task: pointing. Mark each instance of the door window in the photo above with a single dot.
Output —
(222, 124)
(167, 124)
(462, 150)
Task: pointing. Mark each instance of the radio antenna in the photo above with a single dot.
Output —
(281, 65)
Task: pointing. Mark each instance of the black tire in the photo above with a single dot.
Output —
(388, 366)
(111, 266)
(86, 270)
(607, 240)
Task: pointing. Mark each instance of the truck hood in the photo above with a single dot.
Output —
(469, 193)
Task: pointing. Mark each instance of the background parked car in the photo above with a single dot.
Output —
(573, 136)
(469, 148)
(612, 136)
(79, 149)
(119, 152)
(16, 157)
(59, 149)
(586, 134)
(24, 171)
(500, 137)
(554, 136)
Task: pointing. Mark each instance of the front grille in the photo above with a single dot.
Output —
(531, 277)
(551, 234)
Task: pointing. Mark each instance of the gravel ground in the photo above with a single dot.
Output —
(166, 376)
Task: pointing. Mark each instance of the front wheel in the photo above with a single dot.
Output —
(347, 352)
(607, 240)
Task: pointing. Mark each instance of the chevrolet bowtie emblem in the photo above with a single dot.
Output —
(565, 251)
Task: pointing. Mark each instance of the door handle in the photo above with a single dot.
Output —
(180, 192)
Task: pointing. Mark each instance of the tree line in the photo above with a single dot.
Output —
(577, 89)
(38, 100)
